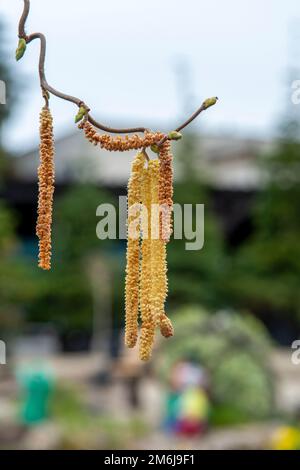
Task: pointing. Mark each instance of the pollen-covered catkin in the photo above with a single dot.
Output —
(46, 188)
(166, 327)
(133, 251)
(166, 190)
(148, 327)
(118, 143)
(159, 283)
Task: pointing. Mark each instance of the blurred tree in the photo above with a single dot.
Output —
(65, 296)
(195, 276)
(266, 270)
(15, 284)
(234, 350)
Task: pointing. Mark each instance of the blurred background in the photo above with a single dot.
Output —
(227, 379)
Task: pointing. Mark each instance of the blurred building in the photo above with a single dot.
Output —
(228, 162)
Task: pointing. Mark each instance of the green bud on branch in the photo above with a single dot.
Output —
(21, 49)
(154, 148)
(210, 102)
(81, 113)
(174, 135)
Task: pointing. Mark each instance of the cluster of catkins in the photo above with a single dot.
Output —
(150, 207)
(46, 188)
(150, 195)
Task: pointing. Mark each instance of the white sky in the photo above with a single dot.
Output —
(120, 57)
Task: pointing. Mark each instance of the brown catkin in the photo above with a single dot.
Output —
(159, 285)
(133, 252)
(118, 143)
(148, 326)
(166, 190)
(46, 188)
(166, 327)
(166, 205)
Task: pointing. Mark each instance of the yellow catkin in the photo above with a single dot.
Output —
(133, 254)
(119, 143)
(166, 190)
(148, 326)
(46, 188)
(159, 285)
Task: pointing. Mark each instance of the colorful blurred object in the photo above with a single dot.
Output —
(234, 350)
(36, 383)
(187, 402)
(286, 438)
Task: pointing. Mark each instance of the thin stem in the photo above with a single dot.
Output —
(80, 103)
(185, 124)
(23, 19)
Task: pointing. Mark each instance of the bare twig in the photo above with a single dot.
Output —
(80, 103)
(185, 124)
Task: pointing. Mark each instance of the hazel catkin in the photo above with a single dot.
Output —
(118, 143)
(159, 283)
(166, 190)
(133, 252)
(148, 326)
(166, 327)
(46, 188)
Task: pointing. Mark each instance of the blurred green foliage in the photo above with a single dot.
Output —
(15, 285)
(266, 269)
(64, 296)
(234, 349)
(196, 276)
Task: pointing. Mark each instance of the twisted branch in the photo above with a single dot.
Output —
(46, 88)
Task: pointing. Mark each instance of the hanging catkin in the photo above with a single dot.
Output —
(158, 251)
(148, 327)
(46, 188)
(133, 252)
(166, 327)
(166, 209)
(166, 190)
